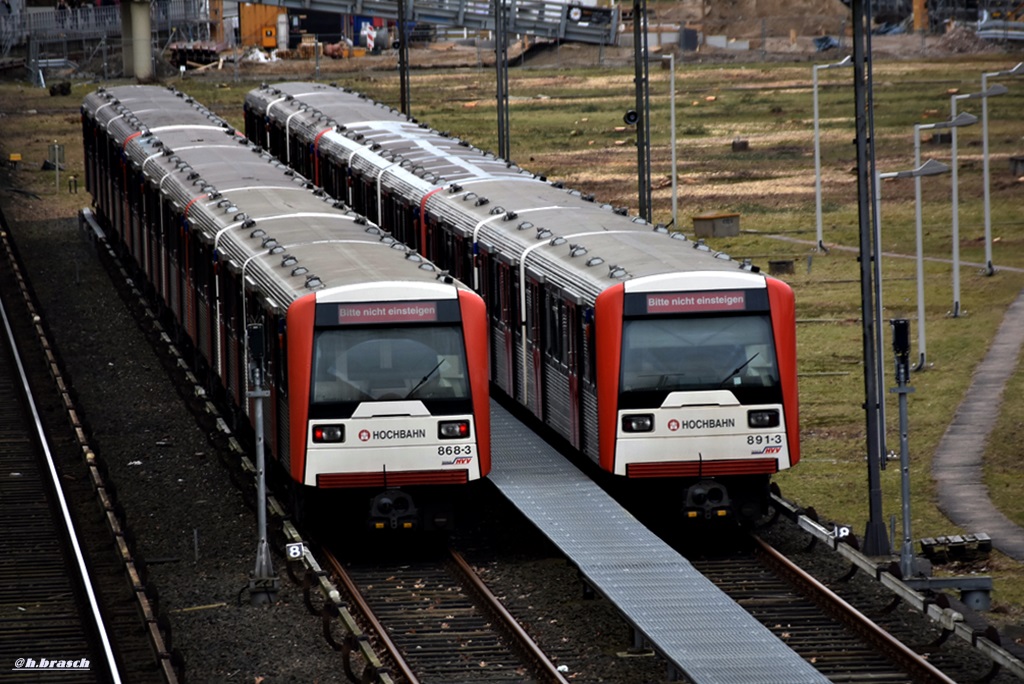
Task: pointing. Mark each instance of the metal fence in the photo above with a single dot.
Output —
(89, 23)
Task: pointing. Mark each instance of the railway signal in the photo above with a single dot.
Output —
(264, 583)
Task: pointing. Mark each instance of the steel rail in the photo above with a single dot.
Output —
(492, 605)
(364, 609)
(948, 619)
(485, 601)
(42, 442)
(919, 669)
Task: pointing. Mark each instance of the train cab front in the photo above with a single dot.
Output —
(701, 402)
(392, 421)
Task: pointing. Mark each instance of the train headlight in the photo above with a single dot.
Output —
(763, 419)
(453, 429)
(638, 423)
(328, 433)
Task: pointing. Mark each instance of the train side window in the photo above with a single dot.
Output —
(515, 315)
(534, 313)
(550, 326)
(464, 266)
(483, 286)
(278, 352)
(168, 226)
(556, 329)
(494, 301)
(449, 257)
(589, 353)
(504, 293)
(435, 242)
(197, 266)
(387, 212)
(406, 222)
(226, 297)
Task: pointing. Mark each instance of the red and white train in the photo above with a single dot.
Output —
(376, 361)
(669, 365)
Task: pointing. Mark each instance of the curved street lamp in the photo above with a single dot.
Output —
(963, 119)
(929, 168)
(991, 92)
(1015, 71)
(846, 61)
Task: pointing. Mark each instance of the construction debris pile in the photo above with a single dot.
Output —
(963, 40)
(756, 18)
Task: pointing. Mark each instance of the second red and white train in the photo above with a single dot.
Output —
(670, 366)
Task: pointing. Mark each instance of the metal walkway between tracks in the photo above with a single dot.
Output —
(699, 630)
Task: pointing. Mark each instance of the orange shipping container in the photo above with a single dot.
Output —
(257, 24)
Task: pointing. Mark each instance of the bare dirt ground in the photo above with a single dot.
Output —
(479, 53)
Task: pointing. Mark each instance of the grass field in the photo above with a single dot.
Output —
(567, 124)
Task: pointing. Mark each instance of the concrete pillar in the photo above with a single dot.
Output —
(127, 33)
(135, 38)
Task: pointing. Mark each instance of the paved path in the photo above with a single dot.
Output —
(958, 464)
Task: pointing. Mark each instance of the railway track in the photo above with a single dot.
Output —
(73, 606)
(438, 622)
(842, 642)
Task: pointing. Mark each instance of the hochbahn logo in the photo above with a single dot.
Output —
(52, 664)
(703, 424)
(366, 435)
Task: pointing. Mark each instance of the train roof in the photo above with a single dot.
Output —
(263, 219)
(517, 215)
(430, 154)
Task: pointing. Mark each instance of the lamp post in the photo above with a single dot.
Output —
(1015, 71)
(672, 127)
(817, 144)
(961, 120)
(929, 168)
(994, 90)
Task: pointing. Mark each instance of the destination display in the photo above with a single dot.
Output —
(662, 303)
(376, 313)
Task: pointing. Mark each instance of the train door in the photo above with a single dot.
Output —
(270, 136)
(509, 325)
(117, 203)
(573, 331)
(277, 382)
(446, 247)
(175, 263)
(493, 286)
(406, 221)
(203, 287)
(426, 244)
(188, 291)
(135, 215)
(335, 179)
(437, 245)
(535, 348)
(230, 297)
(166, 228)
(361, 198)
(303, 156)
(588, 386)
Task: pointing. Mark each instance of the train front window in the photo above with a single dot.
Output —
(355, 364)
(698, 353)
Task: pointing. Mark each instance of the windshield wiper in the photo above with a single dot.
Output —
(424, 379)
(738, 369)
